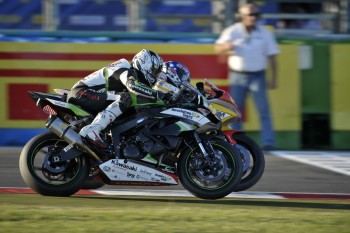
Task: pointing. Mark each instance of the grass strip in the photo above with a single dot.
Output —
(35, 213)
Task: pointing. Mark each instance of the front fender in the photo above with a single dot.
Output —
(228, 134)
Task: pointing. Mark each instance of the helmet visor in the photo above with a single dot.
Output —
(156, 72)
(185, 78)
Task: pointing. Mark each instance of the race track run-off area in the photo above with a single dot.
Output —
(338, 162)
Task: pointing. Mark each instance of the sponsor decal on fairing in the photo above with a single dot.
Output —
(162, 177)
(222, 115)
(119, 170)
(196, 117)
(145, 171)
(139, 177)
(67, 148)
(59, 103)
(140, 89)
(123, 165)
(130, 175)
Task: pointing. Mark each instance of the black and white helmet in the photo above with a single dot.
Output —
(149, 63)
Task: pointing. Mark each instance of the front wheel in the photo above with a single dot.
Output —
(45, 175)
(214, 177)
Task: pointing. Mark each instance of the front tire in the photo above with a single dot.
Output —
(215, 180)
(46, 177)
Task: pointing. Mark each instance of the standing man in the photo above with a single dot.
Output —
(251, 47)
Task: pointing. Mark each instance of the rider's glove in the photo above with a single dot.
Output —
(165, 96)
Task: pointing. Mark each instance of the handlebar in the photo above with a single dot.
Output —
(192, 88)
(218, 92)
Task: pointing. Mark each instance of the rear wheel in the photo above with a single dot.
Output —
(92, 183)
(253, 161)
(42, 172)
(211, 178)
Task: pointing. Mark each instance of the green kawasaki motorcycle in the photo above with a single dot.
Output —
(149, 145)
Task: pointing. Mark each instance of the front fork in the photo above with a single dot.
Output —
(207, 152)
(206, 148)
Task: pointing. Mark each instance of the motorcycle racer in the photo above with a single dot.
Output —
(173, 75)
(107, 91)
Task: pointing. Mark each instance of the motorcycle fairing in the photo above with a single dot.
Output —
(39, 95)
(225, 108)
(43, 99)
(165, 167)
(184, 126)
(191, 116)
(75, 109)
(121, 170)
(141, 101)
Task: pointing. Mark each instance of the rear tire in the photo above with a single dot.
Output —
(92, 183)
(249, 147)
(44, 176)
(210, 182)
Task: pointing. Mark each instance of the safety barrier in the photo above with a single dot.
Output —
(311, 98)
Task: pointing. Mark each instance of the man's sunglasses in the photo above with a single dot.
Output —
(257, 15)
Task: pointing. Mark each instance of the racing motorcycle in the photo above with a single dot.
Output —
(149, 145)
(252, 154)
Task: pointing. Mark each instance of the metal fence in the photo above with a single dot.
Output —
(204, 16)
(208, 16)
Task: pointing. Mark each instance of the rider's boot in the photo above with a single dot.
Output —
(92, 132)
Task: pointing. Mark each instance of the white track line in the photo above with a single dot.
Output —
(182, 193)
(338, 162)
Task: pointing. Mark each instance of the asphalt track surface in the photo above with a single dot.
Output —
(281, 175)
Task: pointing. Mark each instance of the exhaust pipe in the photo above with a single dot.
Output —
(64, 131)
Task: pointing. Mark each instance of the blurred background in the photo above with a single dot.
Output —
(47, 44)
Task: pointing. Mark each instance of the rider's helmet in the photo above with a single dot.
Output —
(176, 73)
(149, 64)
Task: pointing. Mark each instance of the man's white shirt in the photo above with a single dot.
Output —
(250, 51)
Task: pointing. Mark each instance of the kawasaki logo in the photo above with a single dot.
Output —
(143, 90)
(115, 162)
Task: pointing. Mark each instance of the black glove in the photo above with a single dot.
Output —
(165, 96)
(200, 86)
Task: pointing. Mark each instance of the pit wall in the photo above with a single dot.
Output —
(43, 66)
